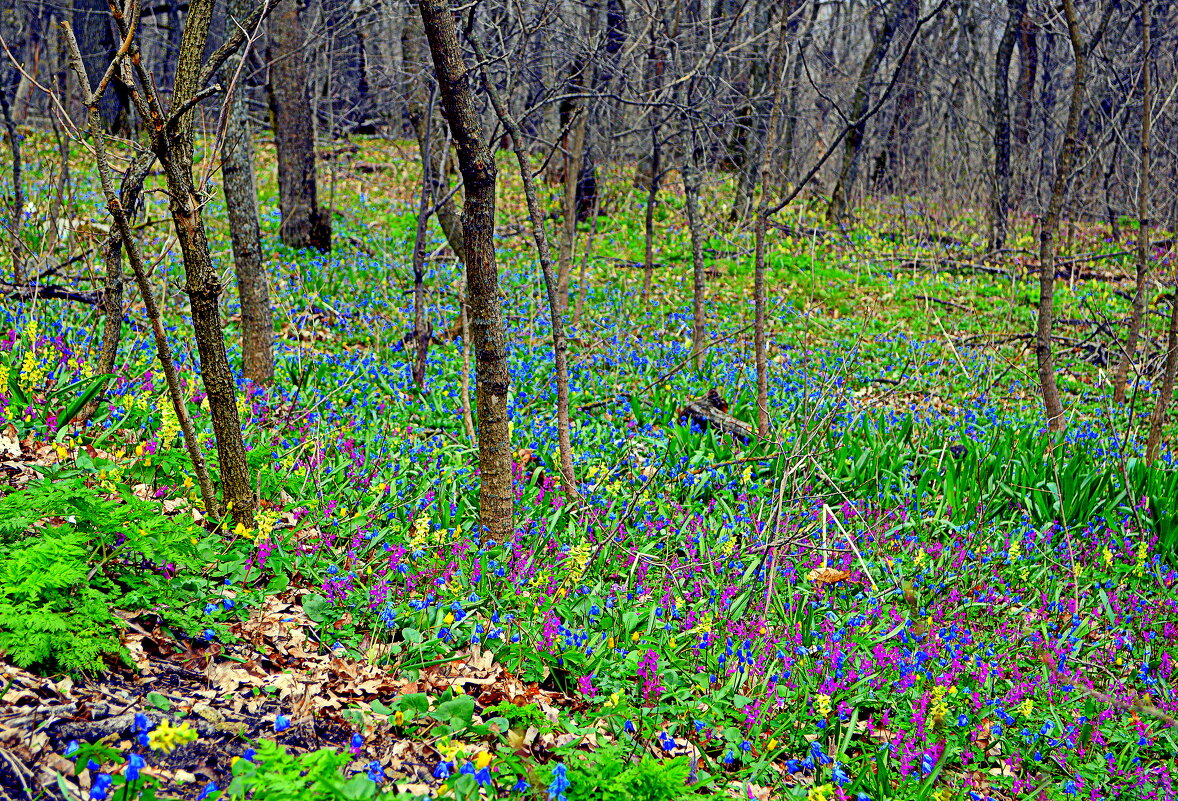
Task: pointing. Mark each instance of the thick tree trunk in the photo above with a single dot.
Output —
(1000, 198)
(241, 203)
(1044, 355)
(1140, 296)
(475, 160)
(304, 224)
(859, 104)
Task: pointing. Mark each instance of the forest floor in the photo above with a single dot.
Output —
(908, 592)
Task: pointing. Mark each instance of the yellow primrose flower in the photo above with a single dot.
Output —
(167, 738)
(822, 704)
(482, 760)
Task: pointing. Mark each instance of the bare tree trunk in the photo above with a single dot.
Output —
(574, 160)
(1140, 296)
(447, 212)
(583, 278)
(1000, 199)
(475, 160)
(18, 199)
(854, 140)
(556, 303)
(652, 199)
(694, 225)
(421, 331)
(1166, 395)
(1044, 356)
(304, 224)
(464, 383)
(760, 229)
(241, 203)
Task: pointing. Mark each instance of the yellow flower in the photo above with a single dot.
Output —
(167, 738)
(772, 743)
(820, 793)
(1107, 556)
(398, 718)
(482, 760)
(822, 704)
(449, 749)
(635, 636)
(1026, 707)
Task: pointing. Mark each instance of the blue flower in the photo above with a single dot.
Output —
(142, 722)
(281, 723)
(839, 774)
(249, 755)
(1070, 788)
(629, 727)
(666, 741)
(100, 787)
(71, 749)
(521, 786)
(817, 754)
(483, 776)
(374, 772)
(962, 720)
(227, 603)
(443, 770)
(926, 764)
(560, 783)
(135, 763)
(357, 743)
(209, 790)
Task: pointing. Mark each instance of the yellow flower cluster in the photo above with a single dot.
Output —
(169, 423)
(728, 545)
(32, 372)
(167, 738)
(578, 560)
(822, 704)
(820, 793)
(1142, 555)
(1027, 707)
(420, 534)
(1016, 550)
(939, 707)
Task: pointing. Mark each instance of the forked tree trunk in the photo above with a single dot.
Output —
(174, 150)
(1044, 356)
(1000, 199)
(1140, 296)
(477, 164)
(304, 224)
(241, 204)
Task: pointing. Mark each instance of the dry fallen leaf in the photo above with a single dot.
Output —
(827, 575)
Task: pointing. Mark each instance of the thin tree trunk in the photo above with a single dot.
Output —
(574, 160)
(760, 229)
(1166, 395)
(91, 100)
(1000, 199)
(583, 277)
(854, 140)
(421, 332)
(464, 383)
(18, 200)
(241, 203)
(304, 224)
(1140, 296)
(1044, 355)
(556, 303)
(694, 226)
(477, 164)
(652, 199)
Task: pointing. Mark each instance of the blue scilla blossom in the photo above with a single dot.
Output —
(227, 603)
(92, 765)
(374, 772)
(483, 776)
(629, 726)
(249, 754)
(209, 790)
(666, 741)
(100, 787)
(839, 774)
(962, 719)
(467, 768)
(135, 763)
(357, 743)
(1070, 788)
(281, 723)
(560, 783)
(817, 754)
(443, 770)
(926, 764)
(142, 722)
(521, 786)
(71, 749)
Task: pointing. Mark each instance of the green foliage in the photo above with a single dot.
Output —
(68, 554)
(314, 776)
(608, 774)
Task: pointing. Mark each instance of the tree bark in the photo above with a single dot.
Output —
(241, 203)
(556, 303)
(421, 331)
(854, 139)
(476, 162)
(1140, 295)
(1000, 199)
(1044, 356)
(17, 210)
(1166, 395)
(304, 224)
(574, 159)
(694, 226)
(174, 150)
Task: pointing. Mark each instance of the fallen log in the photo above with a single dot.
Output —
(711, 411)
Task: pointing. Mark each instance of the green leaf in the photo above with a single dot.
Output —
(160, 702)
(92, 389)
